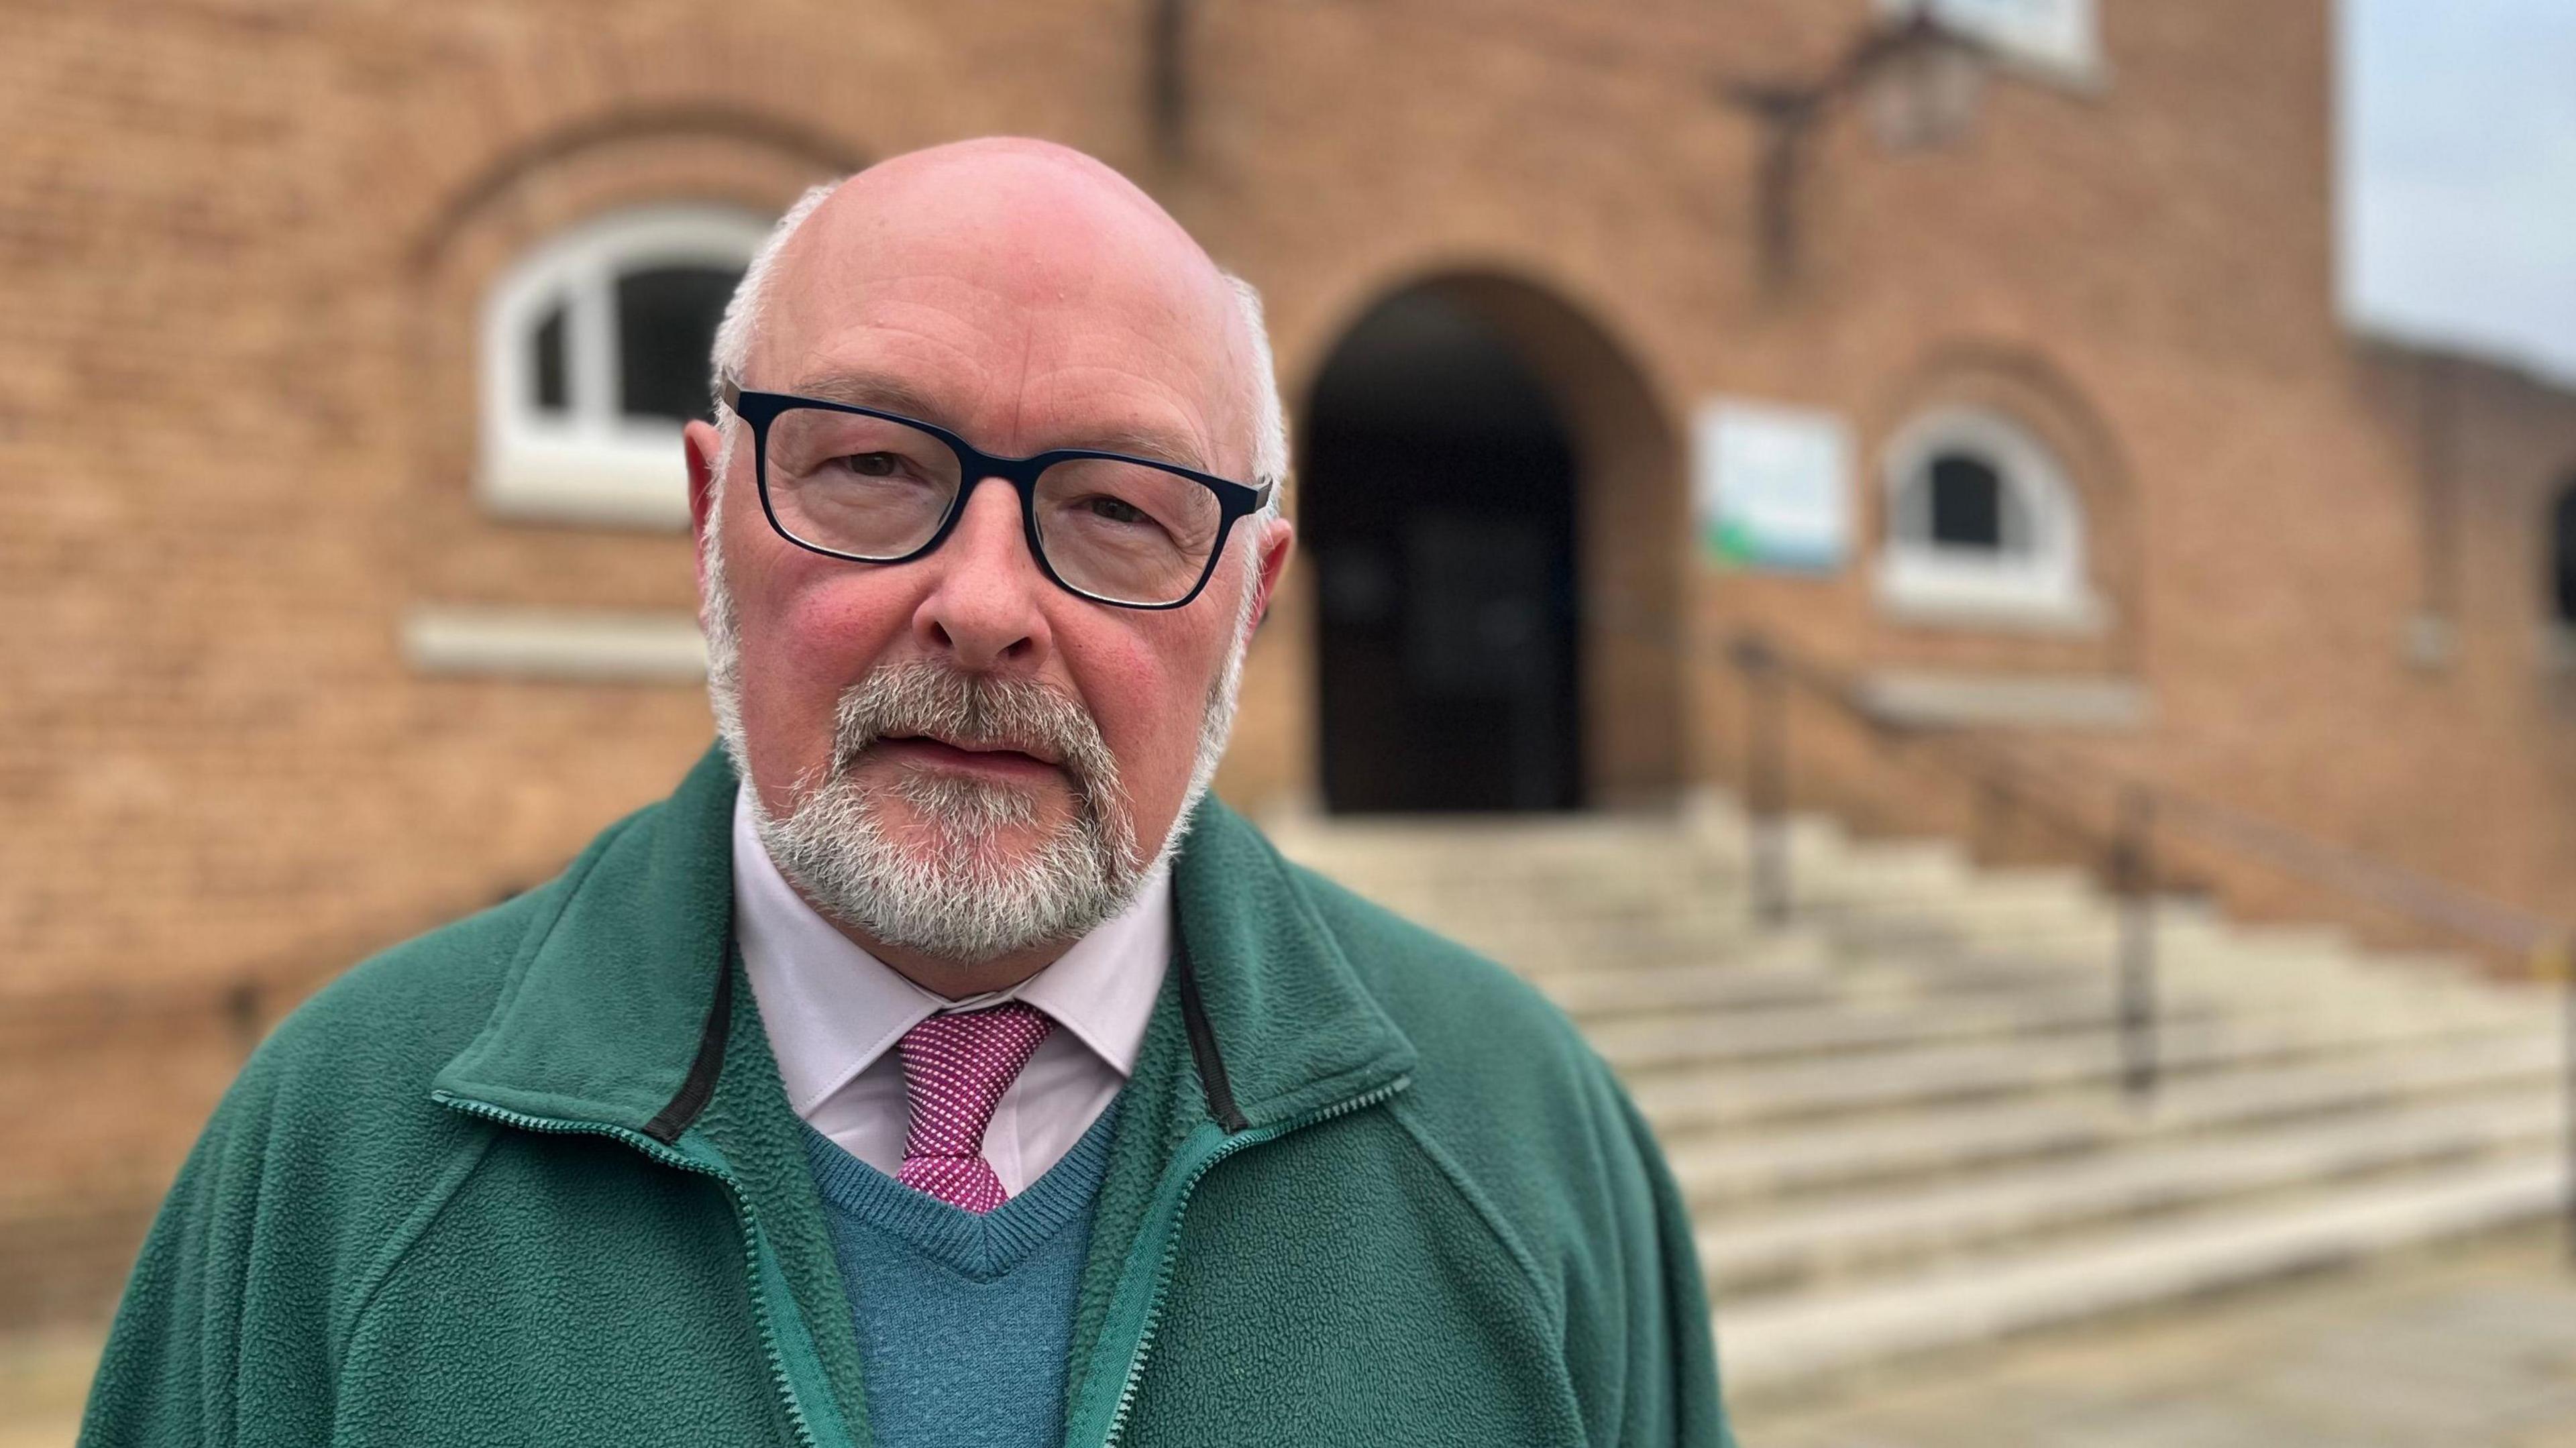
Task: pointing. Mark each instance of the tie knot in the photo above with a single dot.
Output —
(955, 1069)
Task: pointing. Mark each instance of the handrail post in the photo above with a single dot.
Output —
(2133, 874)
(241, 1009)
(1766, 780)
(1994, 811)
(2562, 963)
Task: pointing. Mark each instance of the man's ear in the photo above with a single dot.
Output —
(705, 446)
(1278, 540)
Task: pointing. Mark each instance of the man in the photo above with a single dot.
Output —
(964, 1076)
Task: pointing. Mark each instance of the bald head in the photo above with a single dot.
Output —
(1012, 245)
(1026, 299)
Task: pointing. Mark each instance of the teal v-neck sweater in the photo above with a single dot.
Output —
(964, 1321)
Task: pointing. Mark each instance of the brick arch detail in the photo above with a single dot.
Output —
(788, 139)
(2030, 389)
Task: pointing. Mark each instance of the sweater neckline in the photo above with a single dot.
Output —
(978, 1246)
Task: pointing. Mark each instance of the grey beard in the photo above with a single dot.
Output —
(960, 900)
(959, 895)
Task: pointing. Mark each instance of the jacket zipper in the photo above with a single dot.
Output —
(1168, 1249)
(755, 1247)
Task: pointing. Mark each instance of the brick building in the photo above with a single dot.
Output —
(343, 344)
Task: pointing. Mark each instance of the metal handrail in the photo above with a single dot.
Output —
(2126, 850)
(2141, 809)
(2142, 806)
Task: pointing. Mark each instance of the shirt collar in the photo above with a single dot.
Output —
(617, 1007)
(832, 1008)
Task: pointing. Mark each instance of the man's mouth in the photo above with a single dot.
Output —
(990, 758)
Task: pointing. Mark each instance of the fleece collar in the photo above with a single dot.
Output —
(609, 1003)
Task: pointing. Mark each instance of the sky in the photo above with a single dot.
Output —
(2458, 175)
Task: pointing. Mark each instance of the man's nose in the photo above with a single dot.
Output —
(983, 609)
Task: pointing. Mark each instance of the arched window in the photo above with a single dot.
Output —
(2057, 38)
(2562, 558)
(595, 352)
(1982, 526)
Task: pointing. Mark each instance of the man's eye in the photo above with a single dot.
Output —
(874, 465)
(1117, 510)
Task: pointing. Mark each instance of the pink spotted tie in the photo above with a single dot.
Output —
(955, 1069)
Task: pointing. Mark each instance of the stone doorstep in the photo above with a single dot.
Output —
(1604, 999)
(1679, 1100)
(1828, 870)
(1603, 963)
(2093, 944)
(1601, 995)
(1656, 990)
(1564, 943)
(2069, 898)
(1837, 894)
(1864, 1232)
(1707, 1037)
(1550, 947)
(1811, 1157)
(2331, 998)
(1493, 873)
(1770, 1346)
(1535, 951)
(2089, 936)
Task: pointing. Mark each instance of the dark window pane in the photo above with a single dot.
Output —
(666, 322)
(1967, 503)
(2563, 556)
(546, 362)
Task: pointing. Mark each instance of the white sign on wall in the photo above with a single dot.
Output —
(1771, 486)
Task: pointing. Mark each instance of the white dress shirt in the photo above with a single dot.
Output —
(834, 1013)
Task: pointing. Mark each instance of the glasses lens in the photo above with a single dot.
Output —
(1125, 531)
(855, 484)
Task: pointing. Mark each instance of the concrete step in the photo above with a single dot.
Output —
(1547, 943)
(1769, 1346)
(2332, 983)
(1783, 1248)
(1685, 1037)
(1861, 884)
(1909, 1079)
(1785, 979)
(1603, 992)
(1616, 975)
(1567, 944)
(1519, 926)
(1871, 982)
(1812, 1157)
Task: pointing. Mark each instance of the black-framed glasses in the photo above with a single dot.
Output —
(877, 487)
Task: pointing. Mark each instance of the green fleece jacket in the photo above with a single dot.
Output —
(532, 1178)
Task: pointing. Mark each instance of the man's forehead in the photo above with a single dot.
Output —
(1002, 280)
(1081, 417)
(1013, 225)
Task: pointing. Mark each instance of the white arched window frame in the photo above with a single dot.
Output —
(587, 460)
(2032, 578)
(2059, 40)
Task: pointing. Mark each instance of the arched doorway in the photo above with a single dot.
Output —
(1488, 501)
(2562, 558)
